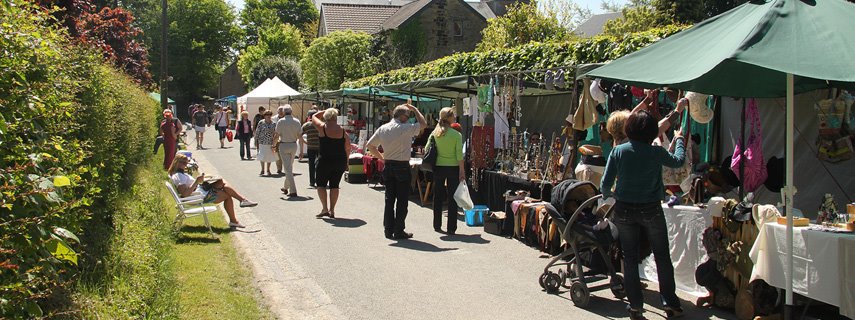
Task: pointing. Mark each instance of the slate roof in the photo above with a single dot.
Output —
(594, 25)
(358, 17)
(371, 16)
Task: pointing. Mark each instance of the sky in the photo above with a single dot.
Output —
(594, 5)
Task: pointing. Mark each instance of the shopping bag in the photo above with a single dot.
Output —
(461, 196)
(230, 135)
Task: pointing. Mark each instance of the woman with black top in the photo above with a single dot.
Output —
(332, 158)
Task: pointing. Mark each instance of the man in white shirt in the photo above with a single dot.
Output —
(396, 138)
(288, 132)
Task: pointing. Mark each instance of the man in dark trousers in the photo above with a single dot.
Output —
(312, 146)
(396, 138)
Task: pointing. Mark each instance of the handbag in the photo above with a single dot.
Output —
(429, 160)
(751, 153)
(230, 135)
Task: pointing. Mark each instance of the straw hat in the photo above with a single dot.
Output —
(698, 107)
(596, 93)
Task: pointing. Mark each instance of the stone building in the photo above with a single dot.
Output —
(428, 29)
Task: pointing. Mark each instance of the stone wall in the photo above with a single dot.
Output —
(450, 26)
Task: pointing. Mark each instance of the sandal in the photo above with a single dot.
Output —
(332, 215)
(322, 214)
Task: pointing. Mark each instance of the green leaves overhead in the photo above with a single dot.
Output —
(283, 40)
(530, 56)
(522, 24)
(260, 14)
(337, 57)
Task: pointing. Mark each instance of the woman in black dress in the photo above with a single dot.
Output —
(332, 158)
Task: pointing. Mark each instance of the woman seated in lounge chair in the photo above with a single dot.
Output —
(212, 191)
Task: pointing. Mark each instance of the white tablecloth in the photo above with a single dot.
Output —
(820, 261)
(686, 226)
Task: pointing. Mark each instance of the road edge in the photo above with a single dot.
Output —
(288, 292)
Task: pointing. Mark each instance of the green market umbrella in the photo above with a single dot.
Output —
(749, 50)
(760, 49)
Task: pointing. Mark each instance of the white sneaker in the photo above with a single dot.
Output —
(236, 225)
(247, 203)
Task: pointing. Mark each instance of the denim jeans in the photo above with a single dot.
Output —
(312, 155)
(396, 176)
(441, 177)
(244, 147)
(634, 220)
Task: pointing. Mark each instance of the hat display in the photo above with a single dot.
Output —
(698, 107)
(596, 92)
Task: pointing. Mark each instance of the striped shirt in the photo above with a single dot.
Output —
(312, 140)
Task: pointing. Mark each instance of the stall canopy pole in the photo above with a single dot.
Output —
(788, 206)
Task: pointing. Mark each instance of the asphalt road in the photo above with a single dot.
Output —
(345, 268)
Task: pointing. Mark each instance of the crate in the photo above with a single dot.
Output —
(475, 216)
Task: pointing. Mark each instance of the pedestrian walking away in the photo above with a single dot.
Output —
(221, 123)
(288, 133)
(312, 145)
(638, 193)
(264, 137)
(449, 169)
(396, 138)
(200, 123)
(280, 112)
(255, 120)
(212, 190)
(332, 161)
(243, 132)
(170, 129)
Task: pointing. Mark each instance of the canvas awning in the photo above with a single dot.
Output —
(748, 51)
(762, 49)
(156, 97)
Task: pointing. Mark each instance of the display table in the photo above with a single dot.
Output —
(686, 225)
(820, 264)
(493, 185)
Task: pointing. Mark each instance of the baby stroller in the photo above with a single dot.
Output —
(575, 204)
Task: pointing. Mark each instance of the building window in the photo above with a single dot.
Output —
(458, 29)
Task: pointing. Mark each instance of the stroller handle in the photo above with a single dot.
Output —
(579, 210)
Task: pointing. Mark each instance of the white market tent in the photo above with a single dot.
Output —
(265, 96)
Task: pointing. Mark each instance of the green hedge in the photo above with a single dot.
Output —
(71, 130)
(531, 56)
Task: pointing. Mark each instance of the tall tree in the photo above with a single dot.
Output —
(287, 69)
(337, 57)
(282, 40)
(570, 14)
(522, 24)
(111, 31)
(202, 35)
(259, 14)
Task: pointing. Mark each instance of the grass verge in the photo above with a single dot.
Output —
(139, 268)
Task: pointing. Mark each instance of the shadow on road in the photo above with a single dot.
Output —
(345, 222)
(419, 246)
(466, 238)
(604, 303)
(297, 198)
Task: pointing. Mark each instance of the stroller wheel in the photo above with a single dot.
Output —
(552, 283)
(617, 287)
(562, 275)
(542, 279)
(579, 294)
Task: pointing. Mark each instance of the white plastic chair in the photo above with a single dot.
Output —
(190, 207)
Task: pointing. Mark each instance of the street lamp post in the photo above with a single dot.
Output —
(164, 100)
